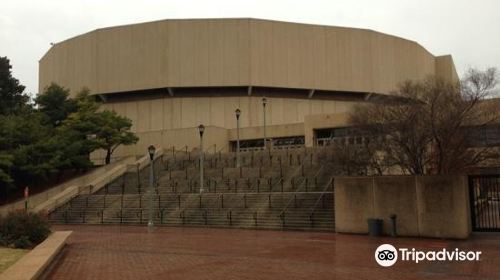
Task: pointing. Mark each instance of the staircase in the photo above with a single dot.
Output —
(279, 189)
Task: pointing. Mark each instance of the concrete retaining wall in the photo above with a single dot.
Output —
(427, 206)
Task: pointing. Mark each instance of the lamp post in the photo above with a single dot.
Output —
(201, 129)
(238, 113)
(264, 102)
(151, 151)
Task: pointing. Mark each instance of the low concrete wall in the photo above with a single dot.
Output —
(32, 265)
(427, 206)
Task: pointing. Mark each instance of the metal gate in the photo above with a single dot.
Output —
(485, 202)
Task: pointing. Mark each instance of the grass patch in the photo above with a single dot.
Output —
(9, 256)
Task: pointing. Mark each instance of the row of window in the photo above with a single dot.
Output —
(478, 137)
(485, 136)
(256, 144)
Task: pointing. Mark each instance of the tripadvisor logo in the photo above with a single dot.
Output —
(387, 255)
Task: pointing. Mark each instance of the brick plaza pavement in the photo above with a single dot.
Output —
(130, 252)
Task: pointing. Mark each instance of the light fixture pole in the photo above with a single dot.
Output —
(264, 102)
(201, 129)
(238, 113)
(151, 151)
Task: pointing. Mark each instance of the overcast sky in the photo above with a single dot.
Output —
(468, 30)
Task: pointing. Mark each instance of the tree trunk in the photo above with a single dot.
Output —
(108, 156)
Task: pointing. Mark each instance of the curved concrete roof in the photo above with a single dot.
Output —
(237, 52)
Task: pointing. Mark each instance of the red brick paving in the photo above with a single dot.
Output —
(130, 252)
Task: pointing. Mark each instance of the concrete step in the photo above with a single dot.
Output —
(253, 196)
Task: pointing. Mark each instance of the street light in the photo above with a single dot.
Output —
(151, 151)
(264, 102)
(201, 129)
(238, 113)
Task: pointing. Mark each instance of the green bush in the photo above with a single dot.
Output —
(23, 242)
(3, 242)
(23, 230)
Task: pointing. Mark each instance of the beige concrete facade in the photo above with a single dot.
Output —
(236, 52)
(170, 76)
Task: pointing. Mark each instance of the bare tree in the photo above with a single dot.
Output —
(427, 130)
(342, 159)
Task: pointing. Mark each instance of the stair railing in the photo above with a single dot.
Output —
(169, 152)
(207, 150)
(173, 153)
(293, 199)
(280, 181)
(218, 154)
(323, 192)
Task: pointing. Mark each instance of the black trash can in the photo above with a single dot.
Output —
(375, 227)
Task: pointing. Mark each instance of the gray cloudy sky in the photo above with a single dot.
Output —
(468, 30)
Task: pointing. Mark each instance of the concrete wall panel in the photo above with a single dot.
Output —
(443, 206)
(354, 202)
(397, 195)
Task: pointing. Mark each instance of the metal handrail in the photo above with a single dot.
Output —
(299, 167)
(320, 197)
(220, 150)
(185, 167)
(206, 151)
(207, 181)
(280, 180)
(168, 156)
(291, 200)
(168, 151)
(183, 150)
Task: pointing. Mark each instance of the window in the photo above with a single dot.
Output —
(484, 136)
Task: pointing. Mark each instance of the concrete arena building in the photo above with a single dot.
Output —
(170, 76)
